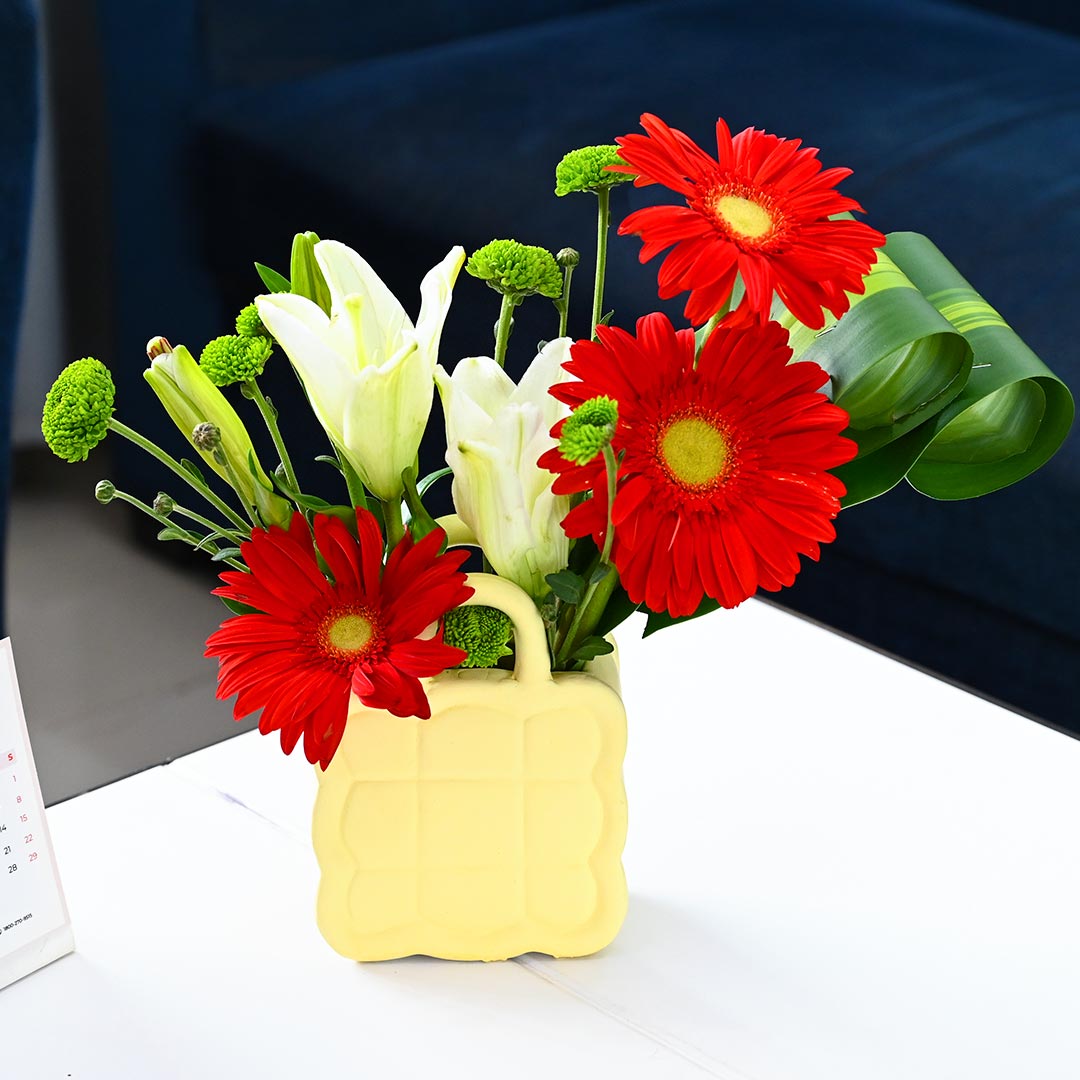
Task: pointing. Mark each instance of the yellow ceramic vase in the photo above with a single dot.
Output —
(492, 829)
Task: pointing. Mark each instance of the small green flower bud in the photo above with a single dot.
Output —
(568, 258)
(206, 437)
(164, 504)
(248, 323)
(597, 411)
(157, 346)
(307, 276)
(586, 170)
(232, 358)
(78, 409)
(483, 632)
(105, 492)
(588, 430)
(516, 270)
(580, 446)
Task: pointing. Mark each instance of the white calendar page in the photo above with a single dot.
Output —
(34, 926)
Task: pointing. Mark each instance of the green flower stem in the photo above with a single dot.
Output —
(232, 534)
(170, 462)
(269, 414)
(234, 480)
(587, 614)
(189, 538)
(713, 323)
(357, 495)
(564, 304)
(503, 328)
(395, 528)
(612, 478)
(603, 222)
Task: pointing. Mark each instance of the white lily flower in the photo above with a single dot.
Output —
(495, 432)
(367, 369)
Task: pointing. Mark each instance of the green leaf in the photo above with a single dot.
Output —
(598, 574)
(281, 482)
(1013, 414)
(210, 538)
(194, 469)
(583, 553)
(567, 586)
(330, 460)
(347, 514)
(419, 521)
(256, 475)
(225, 553)
(661, 620)
(425, 482)
(237, 608)
(893, 359)
(311, 502)
(619, 608)
(591, 648)
(274, 281)
(174, 534)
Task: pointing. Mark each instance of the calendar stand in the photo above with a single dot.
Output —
(34, 925)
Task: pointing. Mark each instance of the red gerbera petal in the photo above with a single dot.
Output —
(315, 642)
(723, 481)
(763, 205)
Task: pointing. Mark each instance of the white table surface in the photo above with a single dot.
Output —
(839, 868)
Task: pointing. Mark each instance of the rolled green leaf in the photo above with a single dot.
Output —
(895, 362)
(1014, 412)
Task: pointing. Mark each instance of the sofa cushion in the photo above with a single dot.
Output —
(18, 139)
(246, 42)
(957, 124)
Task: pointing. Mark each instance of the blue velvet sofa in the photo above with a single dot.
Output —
(18, 137)
(406, 129)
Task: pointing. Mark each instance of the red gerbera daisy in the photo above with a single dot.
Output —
(316, 641)
(761, 210)
(722, 483)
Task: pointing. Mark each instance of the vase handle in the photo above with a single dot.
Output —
(531, 664)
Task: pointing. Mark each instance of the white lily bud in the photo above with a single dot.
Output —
(496, 432)
(367, 369)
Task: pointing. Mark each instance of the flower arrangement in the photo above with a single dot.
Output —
(642, 466)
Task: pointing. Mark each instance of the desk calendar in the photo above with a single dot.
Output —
(34, 926)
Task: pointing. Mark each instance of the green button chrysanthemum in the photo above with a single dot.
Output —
(596, 412)
(483, 632)
(584, 170)
(588, 430)
(78, 409)
(232, 359)
(516, 269)
(248, 323)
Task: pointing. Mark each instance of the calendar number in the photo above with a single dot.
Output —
(33, 857)
(7, 849)
(12, 868)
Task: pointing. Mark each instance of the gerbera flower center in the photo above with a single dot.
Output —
(694, 451)
(348, 634)
(744, 216)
